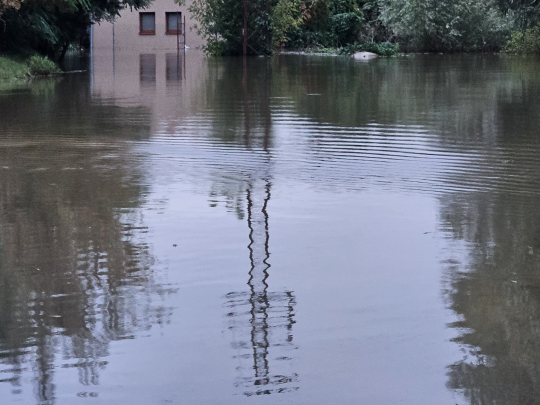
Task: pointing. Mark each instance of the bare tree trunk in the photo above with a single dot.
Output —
(65, 47)
(245, 27)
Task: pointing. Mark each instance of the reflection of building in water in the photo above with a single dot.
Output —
(261, 321)
(167, 84)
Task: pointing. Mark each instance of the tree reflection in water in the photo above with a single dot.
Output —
(497, 297)
(75, 270)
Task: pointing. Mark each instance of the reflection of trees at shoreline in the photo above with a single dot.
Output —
(497, 298)
(495, 292)
(75, 270)
(421, 90)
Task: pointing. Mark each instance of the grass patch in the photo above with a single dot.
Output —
(16, 69)
(12, 69)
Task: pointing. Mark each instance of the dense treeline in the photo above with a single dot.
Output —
(50, 26)
(416, 25)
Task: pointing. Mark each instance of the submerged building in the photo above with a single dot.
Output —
(164, 26)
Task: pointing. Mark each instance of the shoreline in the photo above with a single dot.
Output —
(18, 69)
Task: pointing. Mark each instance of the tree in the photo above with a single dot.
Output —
(4, 5)
(326, 23)
(220, 23)
(445, 25)
(49, 26)
(525, 12)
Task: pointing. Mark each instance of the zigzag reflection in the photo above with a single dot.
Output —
(266, 317)
(261, 321)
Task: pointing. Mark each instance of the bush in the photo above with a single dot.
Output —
(382, 49)
(524, 42)
(42, 66)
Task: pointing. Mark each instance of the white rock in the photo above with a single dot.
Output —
(365, 55)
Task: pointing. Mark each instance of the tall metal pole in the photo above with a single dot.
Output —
(184, 27)
(245, 27)
(177, 35)
(178, 46)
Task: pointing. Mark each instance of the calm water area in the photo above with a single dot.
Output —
(310, 230)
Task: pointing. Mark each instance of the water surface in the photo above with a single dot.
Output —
(292, 230)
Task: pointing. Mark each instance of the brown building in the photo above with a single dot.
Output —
(164, 26)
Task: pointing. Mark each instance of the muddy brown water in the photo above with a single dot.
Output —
(295, 230)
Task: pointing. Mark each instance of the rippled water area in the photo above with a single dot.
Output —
(304, 230)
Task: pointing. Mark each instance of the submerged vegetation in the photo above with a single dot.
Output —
(379, 26)
(383, 48)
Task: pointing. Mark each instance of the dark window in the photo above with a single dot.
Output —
(174, 23)
(147, 23)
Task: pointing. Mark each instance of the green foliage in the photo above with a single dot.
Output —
(382, 49)
(220, 23)
(42, 66)
(11, 69)
(525, 13)
(286, 17)
(446, 25)
(49, 26)
(325, 23)
(524, 42)
(348, 25)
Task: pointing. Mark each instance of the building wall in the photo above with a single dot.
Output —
(123, 33)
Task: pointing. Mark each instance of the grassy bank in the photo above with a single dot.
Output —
(12, 69)
(16, 69)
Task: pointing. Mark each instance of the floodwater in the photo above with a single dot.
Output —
(307, 230)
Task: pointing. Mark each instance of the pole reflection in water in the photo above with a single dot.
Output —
(261, 321)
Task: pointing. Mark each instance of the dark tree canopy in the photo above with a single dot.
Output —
(416, 25)
(48, 26)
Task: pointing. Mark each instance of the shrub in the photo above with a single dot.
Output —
(524, 42)
(382, 49)
(42, 66)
